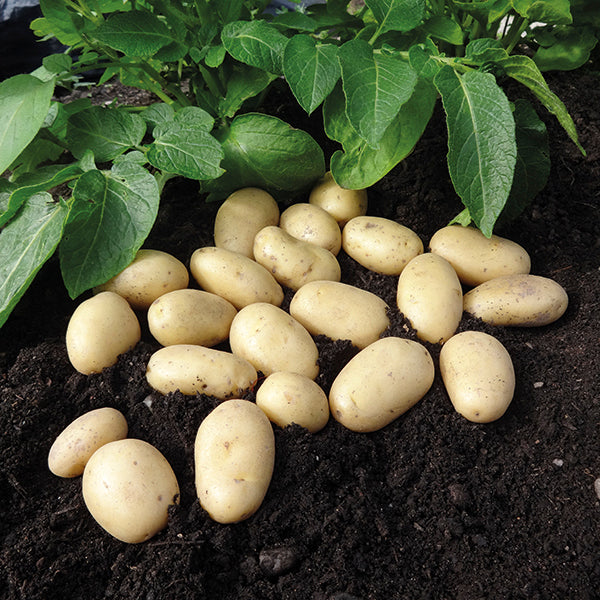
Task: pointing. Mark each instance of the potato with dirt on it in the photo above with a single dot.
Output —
(341, 203)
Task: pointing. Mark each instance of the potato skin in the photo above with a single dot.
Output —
(342, 204)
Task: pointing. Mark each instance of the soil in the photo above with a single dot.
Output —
(432, 506)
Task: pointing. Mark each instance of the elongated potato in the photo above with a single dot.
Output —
(478, 375)
(476, 258)
(340, 311)
(234, 456)
(342, 204)
(380, 383)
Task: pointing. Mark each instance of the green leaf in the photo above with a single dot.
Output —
(111, 216)
(243, 84)
(157, 114)
(295, 20)
(59, 22)
(24, 103)
(422, 60)
(485, 11)
(57, 63)
(215, 55)
(553, 12)
(481, 142)
(571, 49)
(397, 15)
(444, 28)
(26, 243)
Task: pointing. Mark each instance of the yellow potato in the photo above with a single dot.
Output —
(380, 383)
(311, 223)
(478, 374)
(234, 457)
(243, 214)
(430, 297)
(342, 204)
(235, 277)
(199, 370)
(190, 317)
(288, 398)
(272, 340)
(100, 329)
(151, 274)
(476, 258)
(379, 244)
(72, 449)
(128, 486)
(293, 262)
(517, 300)
(340, 311)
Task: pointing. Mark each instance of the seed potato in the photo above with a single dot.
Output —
(99, 330)
(199, 370)
(342, 204)
(380, 383)
(76, 443)
(234, 456)
(128, 486)
(478, 375)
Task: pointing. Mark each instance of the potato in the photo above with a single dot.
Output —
(379, 244)
(430, 297)
(342, 204)
(235, 277)
(476, 258)
(243, 214)
(311, 223)
(151, 274)
(99, 330)
(72, 449)
(234, 456)
(272, 340)
(517, 300)
(288, 398)
(380, 383)
(340, 311)
(199, 370)
(293, 262)
(478, 374)
(190, 317)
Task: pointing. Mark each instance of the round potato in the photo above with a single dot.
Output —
(342, 204)
(478, 375)
(380, 383)
(379, 244)
(293, 262)
(128, 486)
(99, 330)
(476, 258)
(430, 297)
(272, 340)
(234, 456)
(190, 317)
(76, 443)
(517, 300)
(235, 277)
(288, 398)
(241, 216)
(151, 274)
(340, 311)
(199, 370)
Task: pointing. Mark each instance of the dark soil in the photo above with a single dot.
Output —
(432, 506)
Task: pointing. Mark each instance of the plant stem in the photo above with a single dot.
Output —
(513, 36)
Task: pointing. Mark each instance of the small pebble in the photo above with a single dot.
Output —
(558, 462)
(538, 384)
(597, 487)
(278, 561)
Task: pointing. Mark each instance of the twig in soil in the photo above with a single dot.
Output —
(13, 481)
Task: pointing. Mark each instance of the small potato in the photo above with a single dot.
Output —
(517, 300)
(199, 370)
(288, 398)
(272, 340)
(241, 216)
(234, 457)
(311, 223)
(340, 311)
(342, 204)
(190, 317)
(100, 329)
(430, 297)
(72, 449)
(478, 375)
(235, 277)
(380, 383)
(381, 245)
(128, 486)
(476, 258)
(293, 262)
(151, 274)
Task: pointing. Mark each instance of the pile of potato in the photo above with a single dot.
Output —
(257, 253)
